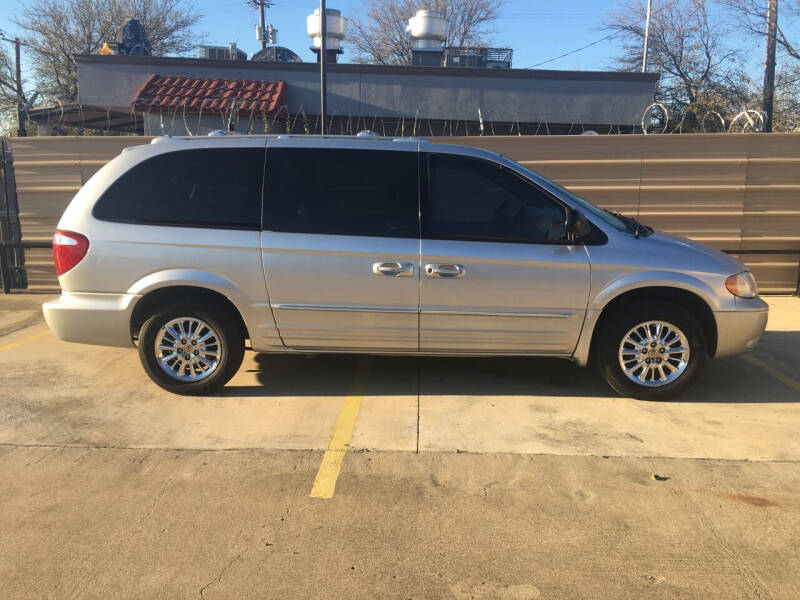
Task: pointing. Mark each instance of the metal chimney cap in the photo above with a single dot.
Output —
(428, 28)
(333, 12)
(429, 13)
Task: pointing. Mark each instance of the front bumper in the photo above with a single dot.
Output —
(738, 331)
(86, 318)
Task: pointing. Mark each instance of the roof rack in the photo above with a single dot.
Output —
(287, 136)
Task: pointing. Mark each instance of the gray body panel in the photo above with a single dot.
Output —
(512, 298)
(324, 293)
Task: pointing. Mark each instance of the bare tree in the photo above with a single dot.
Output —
(787, 99)
(380, 35)
(751, 16)
(56, 30)
(8, 92)
(699, 73)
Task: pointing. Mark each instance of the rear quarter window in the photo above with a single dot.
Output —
(210, 188)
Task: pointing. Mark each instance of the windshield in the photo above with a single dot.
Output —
(587, 207)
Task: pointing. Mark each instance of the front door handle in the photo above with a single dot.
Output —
(393, 269)
(445, 271)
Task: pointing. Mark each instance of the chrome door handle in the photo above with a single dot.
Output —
(445, 271)
(393, 269)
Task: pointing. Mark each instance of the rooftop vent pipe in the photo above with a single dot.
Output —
(429, 30)
(336, 25)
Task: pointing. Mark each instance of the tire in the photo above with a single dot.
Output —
(198, 378)
(674, 370)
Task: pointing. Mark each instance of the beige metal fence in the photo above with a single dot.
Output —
(49, 170)
(739, 193)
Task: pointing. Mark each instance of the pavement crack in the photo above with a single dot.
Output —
(220, 574)
(749, 576)
(23, 324)
(418, 385)
(272, 450)
(262, 541)
(52, 451)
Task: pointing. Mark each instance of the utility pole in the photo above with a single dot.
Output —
(20, 96)
(769, 69)
(22, 106)
(323, 65)
(262, 23)
(646, 36)
(261, 5)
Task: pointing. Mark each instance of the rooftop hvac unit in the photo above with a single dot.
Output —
(229, 52)
(482, 58)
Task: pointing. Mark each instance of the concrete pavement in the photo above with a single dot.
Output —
(88, 523)
(466, 478)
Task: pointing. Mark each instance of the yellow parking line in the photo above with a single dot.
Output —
(24, 340)
(770, 370)
(328, 473)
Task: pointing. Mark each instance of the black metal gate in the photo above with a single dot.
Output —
(12, 253)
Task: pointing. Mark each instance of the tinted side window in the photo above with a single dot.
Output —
(473, 199)
(217, 188)
(342, 192)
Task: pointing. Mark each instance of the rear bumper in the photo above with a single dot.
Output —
(85, 318)
(738, 331)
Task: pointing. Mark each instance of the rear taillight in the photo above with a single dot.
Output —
(69, 248)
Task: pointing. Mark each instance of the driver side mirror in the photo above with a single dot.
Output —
(577, 226)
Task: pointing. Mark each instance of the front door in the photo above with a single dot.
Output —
(340, 245)
(498, 275)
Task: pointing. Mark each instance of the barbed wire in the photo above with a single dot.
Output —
(145, 117)
(656, 120)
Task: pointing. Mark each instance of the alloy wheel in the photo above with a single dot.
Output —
(654, 353)
(188, 349)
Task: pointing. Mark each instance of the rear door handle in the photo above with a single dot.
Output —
(445, 271)
(393, 269)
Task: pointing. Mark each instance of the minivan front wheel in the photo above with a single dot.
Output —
(190, 350)
(651, 350)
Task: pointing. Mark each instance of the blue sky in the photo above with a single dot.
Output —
(536, 30)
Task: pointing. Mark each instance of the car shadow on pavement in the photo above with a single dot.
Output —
(332, 375)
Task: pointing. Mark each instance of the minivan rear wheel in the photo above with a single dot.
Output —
(191, 350)
(651, 350)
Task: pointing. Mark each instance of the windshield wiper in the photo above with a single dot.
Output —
(632, 224)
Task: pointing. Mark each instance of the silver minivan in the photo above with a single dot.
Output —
(188, 247)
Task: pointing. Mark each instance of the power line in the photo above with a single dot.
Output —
(549, 60)
(551, 14)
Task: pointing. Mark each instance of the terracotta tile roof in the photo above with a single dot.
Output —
(190, 94)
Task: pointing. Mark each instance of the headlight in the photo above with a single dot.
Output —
(742, 285)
